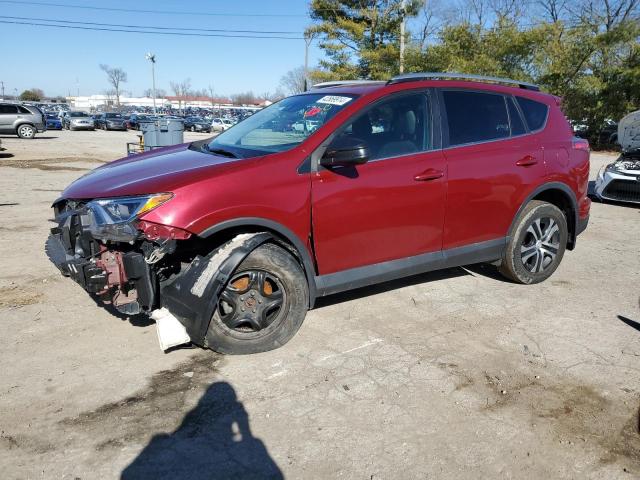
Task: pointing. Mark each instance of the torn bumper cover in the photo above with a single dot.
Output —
(192, 296)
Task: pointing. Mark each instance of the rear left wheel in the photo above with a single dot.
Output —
(262, 306)
(26, 132)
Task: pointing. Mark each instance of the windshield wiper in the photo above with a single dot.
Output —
(220, 151)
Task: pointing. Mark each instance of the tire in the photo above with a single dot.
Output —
(26, 131)
(193, 128)
(537, 244)
(268, 267)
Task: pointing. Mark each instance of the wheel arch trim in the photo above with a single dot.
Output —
(566, 190)
(307, 261)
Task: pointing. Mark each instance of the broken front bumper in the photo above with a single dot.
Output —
(120, 266)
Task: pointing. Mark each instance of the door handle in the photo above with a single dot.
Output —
(527, 161)
(429, 174)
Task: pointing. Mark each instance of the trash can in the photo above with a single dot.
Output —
(162, 132)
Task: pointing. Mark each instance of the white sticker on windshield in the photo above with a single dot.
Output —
(334, 100)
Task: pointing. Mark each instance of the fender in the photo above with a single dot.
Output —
(193, 295)
(551, 186)
(284, 232)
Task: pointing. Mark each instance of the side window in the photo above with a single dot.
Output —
(535, 113)
(475, 116)
(23, 110)
(8, 109)
(398, 126)
(517, 127)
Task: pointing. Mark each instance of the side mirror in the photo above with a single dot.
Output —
(345, 151)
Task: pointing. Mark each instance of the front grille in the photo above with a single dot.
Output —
(623, 190)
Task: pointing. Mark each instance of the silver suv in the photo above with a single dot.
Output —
(22, 120)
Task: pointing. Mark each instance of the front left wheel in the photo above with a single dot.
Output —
(262, 306)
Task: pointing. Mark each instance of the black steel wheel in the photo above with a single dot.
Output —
(262, 306)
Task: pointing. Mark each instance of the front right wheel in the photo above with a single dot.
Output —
(262, 306)
(536, 245)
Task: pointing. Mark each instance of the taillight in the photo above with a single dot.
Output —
(580, 144)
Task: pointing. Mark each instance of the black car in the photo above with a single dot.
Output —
(137, 118)
(197, 124)
(110, 121)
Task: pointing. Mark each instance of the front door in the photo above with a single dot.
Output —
(391, 207)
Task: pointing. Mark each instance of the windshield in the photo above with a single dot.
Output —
(196, 119)
(113, 115)
(281, 126)
(78, 114)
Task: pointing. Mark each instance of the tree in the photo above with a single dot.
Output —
(32, 95)
(246, 98)
(360, 38)
(181, 90)
(160, 93)
(293, 81)
(115, 76)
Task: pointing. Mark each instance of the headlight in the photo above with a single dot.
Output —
(125, 209)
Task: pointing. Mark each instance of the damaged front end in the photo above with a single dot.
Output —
(620, 180)
(103, 246)
(138, 266)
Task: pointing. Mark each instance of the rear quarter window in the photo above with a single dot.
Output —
(535, 113)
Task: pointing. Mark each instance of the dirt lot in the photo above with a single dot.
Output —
(454, 374)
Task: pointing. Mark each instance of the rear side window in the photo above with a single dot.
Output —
(23, 110)
(8, 109)
(475, 116)
(535, 113)
(517, 127)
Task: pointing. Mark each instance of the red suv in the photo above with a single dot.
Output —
(227, 242)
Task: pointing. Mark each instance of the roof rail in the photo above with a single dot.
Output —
(409, 77)
(339, 83)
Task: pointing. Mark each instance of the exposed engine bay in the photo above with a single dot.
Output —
(122, 264)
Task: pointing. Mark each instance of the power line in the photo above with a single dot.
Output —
(161, 12)
(149, 26)
(122, 30)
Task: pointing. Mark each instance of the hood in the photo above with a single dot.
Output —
(160, 170)
(629, 132)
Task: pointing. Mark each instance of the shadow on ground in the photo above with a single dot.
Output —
(213, 442)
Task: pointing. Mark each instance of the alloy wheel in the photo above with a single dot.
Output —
(25, 131)
(540, 245)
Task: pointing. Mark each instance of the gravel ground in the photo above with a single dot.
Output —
(452, 374)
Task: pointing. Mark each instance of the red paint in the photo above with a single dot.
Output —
(391, 209)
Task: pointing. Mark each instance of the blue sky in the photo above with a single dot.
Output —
(53, 58)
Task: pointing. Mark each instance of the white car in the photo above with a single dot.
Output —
(220, 124)
(620, 180)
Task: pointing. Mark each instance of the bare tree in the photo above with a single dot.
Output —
(553, 10)
(210, 95)
(246, 98)
(293, 81)
(181, 90)
(160, 93)
(116, 76)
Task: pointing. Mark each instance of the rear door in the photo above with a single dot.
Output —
(8, 115)
(492, 160)
(391, 207)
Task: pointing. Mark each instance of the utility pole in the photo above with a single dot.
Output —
(402, 28)
(152, 58)
(2, 85)
(307, 42)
